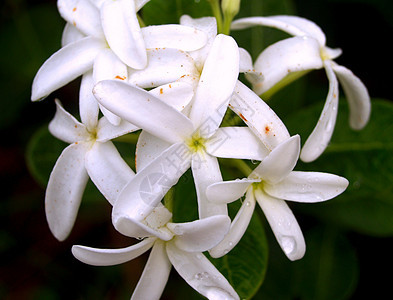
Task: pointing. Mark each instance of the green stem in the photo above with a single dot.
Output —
(216, 9)
(242, 166)
(226, 28)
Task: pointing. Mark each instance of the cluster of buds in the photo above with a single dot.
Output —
(175, 83)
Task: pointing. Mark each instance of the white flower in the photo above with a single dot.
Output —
(272, 182)
(91, 154)
(177, 244)
(170, 142)
(290, 58)
(107, 38)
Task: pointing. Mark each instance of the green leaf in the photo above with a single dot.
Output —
(365, 158)
(329, 269)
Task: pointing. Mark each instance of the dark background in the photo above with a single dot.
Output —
(34, 265)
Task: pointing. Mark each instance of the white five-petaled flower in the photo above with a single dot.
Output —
(91, 154)
(105, 36)
(177, 244)
(272, 182)
(292, 57)
(170, 141)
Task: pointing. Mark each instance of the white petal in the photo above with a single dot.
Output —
(238, 227)
(155, 274)
(165, 66)
(258, 116)
(284, 225)
(107, 169)
(148, 148)
(65, 127)
(83, 15)
(320, 137)
(245, 61)
(65, 65)
(174, 36)
(110, 257)
(293, 25)
(357, 96)
(206, 171)
(308, 187)
(65, 189)
(152, 226)
(216, 84)
(284, 58)
(236, 142)
(209, 26)
(228, 191)
(176, 94)
(122, 32)
(200, 273)
(200, 235)
(107, 131)
(70, 35)
(280, 162)
(142, 194)
(142, 109)
(88, 105)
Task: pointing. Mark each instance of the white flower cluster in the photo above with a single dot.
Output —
(175, 83)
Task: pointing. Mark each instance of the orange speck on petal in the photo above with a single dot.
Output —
(161, 90)
(74, 23)
(267, 129)
(170, 86)
(120, 77)
(241, 116)
(74, 9)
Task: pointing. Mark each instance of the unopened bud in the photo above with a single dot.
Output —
(230, 7)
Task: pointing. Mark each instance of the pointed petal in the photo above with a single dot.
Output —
(258, 116)
(176, 94)
(148, 148)
(65, 127)
(70, 35)
(83, 15)
(293, 25)
(238, 227)
(284, 225)
(320, 137)
(152, 225)
(206, 171)
(142, 109)
(165, 66)
(357, 96)
(308, 187)
(175, 36)
(228, 191)
(64, 66)
(110, 257)
(142, 194)
(200, 273)
(245, 61)
(107, 169)
(107, 131)
(282, 59)
(236, 142)
(65, 189)
(280, 162)
(122, 32)
(216, 84)
(88, 105)
(200, 235)
(155, 274)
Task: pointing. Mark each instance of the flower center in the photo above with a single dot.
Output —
(324, 54)
(196, 143)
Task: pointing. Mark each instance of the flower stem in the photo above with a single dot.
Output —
(216, 9)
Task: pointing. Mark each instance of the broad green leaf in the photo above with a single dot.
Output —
(329, 269)
(365, 158)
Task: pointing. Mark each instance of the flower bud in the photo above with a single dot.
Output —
(230, 7)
